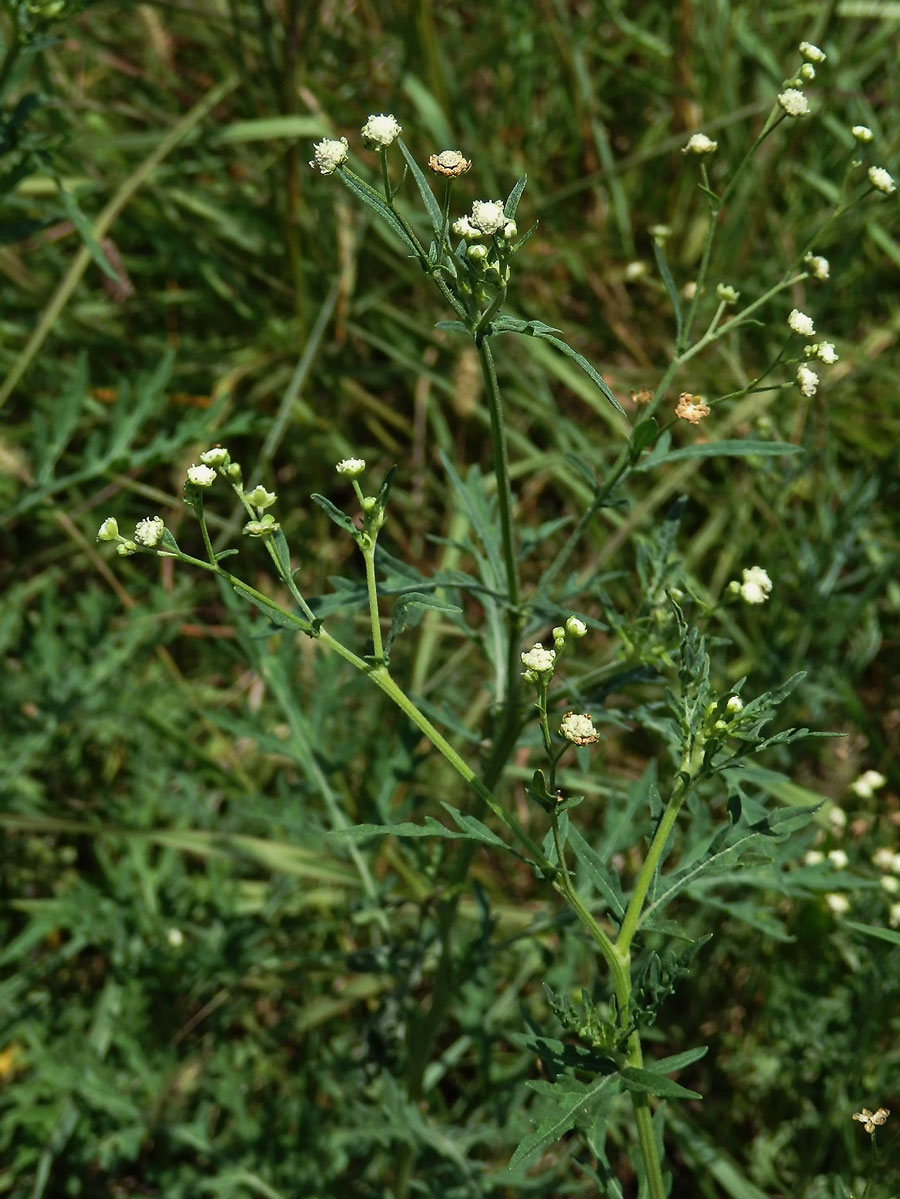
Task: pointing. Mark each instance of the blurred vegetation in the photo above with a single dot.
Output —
(203, 992)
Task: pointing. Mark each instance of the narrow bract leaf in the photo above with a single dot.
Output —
(434, 209)
(722, 449)
(408, 611)
(370, 197)
(512, 200)
(670, 286)
(589, 370)
(647, 1082)
(340, 518)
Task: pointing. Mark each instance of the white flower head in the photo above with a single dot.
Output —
(510, 230)
(837, 818)
(217, 456)
(149, 532)
(260, 498)
(799, 322)
(578, 729)
(837, 903)
(755, 585)
(894, 915)
(727, 294)
(352, 467)
(867, 784)
(807, 72)
(381, 130)
(735, 703)
(576, 627)
(818, 266)
(329, 154)
(814, 857)
(882, 180)
(794, 103)
(826, 353)
(126, 548)
(109, 530)
(883, 858)
(488, 216)
(201, 476)
(838, 859)
(862, 133)
(889, 884)
(463, 227)
(812, 53)
(175, 937)
(538, 659)
(699, 143)
(807, 380)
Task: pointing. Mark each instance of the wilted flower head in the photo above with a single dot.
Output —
(488, 216)
(381, 130)
(329, 154)
(691, 408)
(755, 585)
(578, 729)
(872, 1120)
(812, 53)
(818, 266)
(538, 659)
(794, 103)
(449, 163)
(201, 476)
(807, 380)
(799, 322)
(699, 143)
(862, 133)
(882, 180)
(149, 532)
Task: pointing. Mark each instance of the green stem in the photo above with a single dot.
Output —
(9, 59)
(372, 589)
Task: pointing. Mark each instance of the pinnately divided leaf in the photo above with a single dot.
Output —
(574, 1101)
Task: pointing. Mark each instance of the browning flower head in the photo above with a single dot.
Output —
(449, 163)
(579, 729)
(871, 1120)
(691, 408)
(644, 396)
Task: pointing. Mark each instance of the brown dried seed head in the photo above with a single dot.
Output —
(449, 163)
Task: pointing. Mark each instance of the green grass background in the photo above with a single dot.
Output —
(167, 764)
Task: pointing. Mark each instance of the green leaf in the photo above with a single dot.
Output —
(274, 613)
(648, 1082)
(644, 435)
(670, 286)
(385, 489)
(85, 231)
(581, 361)
(468, 829)
(512, 200)
(408, 611)
(341, 519)
(453, 327)
(434, 209)
(678, 1061)
(373, 199)
(573, 1102)
(722, 449)
(873, 930)
(282, 555)
(605, 883)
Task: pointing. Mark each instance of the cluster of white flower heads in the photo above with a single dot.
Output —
(867, 784)
(351, 467)
(381, 130)
(882, 180)
(755, 585)
(699, 143)
(538, 659)
(794, 102)
(329, 154)
(799, 322)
